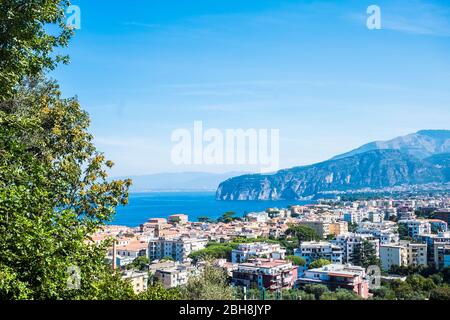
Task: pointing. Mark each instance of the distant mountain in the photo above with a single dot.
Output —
(421, 144)
(441, 160)
(375, 169)
(183, 181)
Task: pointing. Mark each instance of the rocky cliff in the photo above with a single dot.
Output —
(375, 169)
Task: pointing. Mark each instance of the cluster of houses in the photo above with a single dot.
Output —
(168, 243)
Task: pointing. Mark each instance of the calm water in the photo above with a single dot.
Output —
(143, 206)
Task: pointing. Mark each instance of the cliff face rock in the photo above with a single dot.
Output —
(441, 161)
(375, 169)
(421, 144)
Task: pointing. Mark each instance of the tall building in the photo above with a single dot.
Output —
(417, 254)
(137, 279)
(393, 255)
(442, 255)
(416, 227)
(246, 251)
(443, 214)
(349, 241)
(336, 276)
(433, 241)
(266, 274)
(320, 227)
(338, 227)
(176, 248)
(314, 250)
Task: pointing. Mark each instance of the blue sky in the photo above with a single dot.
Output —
(309, 68)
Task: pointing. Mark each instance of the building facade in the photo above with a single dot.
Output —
(246, 251)
(314, 250)
(265, 274)
(176, 248)
(336, 276)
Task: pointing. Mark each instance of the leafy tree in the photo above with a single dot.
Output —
(343, 294)
(317, 290)
(404, 291)
(298, 261)
(340, 294)
(419, 283)
(215, 251)
(158, 292)
(175, 220)
(365, 255)
(212, 284)
(440, 293)
(26, 44)
(319, 263)
(167, 258)
(54, 193)
(294, 294)
(403, 231)
(404, 270)
(11, 287)
(205, 219)
(302, 233)
(140, 263)
(446, 274)
(383, 293)
(227, 217)
(352, 227)
(437, 279)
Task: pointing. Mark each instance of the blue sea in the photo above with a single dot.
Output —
(143, 206)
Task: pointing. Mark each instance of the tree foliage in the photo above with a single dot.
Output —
(212, 284)
(297, 261)
(319, 263)
(26, 42)
(302, 233)
(365, 254)
(54, 194)
(214, 251)
(54, 191)
(440, 293)
(139, 263)
(158, 292)
(227, 217)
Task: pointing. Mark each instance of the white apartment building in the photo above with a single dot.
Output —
(132, 249)
(417, 254)
(355, 216)
(247, 251)
(385, 237)
(393, 255)
(337, 276)
(376, 217)
(137, 279)
(313, 250)
(260, 217)
(416, 227)
(348, 241)
(175, 248)
(175, 275)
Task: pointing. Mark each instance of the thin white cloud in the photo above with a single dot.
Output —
(141, 25)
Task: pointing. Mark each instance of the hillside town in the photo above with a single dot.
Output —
(353, 245)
